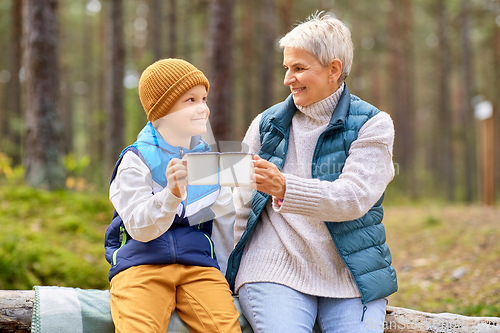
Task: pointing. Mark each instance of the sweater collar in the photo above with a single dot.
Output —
(321, 112)
(282, 118)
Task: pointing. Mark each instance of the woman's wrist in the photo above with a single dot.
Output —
(281, 194)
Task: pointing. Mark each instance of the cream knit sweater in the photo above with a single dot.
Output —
(291, 245)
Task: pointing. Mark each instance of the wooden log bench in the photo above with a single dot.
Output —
(16, 307)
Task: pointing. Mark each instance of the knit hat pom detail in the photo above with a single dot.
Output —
(164, 82)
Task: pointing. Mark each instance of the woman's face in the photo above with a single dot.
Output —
(308, 80)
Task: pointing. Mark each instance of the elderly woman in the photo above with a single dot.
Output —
(310, 245)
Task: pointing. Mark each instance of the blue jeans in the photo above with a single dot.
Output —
(274, 308)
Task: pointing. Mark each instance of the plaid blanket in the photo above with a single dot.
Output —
(74, 310)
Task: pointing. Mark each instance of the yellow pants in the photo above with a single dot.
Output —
(144, 297)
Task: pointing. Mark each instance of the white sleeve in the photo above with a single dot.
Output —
(223, 232)
(145, 214)
(367, 171)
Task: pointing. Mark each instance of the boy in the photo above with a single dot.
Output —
(159, 243)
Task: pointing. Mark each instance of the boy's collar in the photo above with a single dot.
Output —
(196, 144)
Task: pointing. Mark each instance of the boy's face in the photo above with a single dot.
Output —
(187, 117)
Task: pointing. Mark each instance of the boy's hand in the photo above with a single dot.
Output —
(177, 177)
(268, 178)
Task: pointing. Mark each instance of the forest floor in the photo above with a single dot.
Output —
(447, 258)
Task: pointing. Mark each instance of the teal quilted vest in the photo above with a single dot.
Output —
(361, 242)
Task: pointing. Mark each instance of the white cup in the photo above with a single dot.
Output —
(203, 168)
(236, 169)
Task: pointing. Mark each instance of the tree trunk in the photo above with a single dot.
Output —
(267, 56)
(444, 149)
(43, 131)
(402, 84)
(396, 93)
(358, 72)
(14, 113)
(286, 8)
(248, 69)
(468, 121)
(172, 25)
(91, 72)
(220, 67)
(408, 82)
(156, 20)
(114, 91)
(16, 307)
(87, 74)
(66, 111)
(187, 30)
(496, 101)
(66, 92)
(97, 141)
(376, 80)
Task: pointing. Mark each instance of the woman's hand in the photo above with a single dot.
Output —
(268, 178)
(177, 177)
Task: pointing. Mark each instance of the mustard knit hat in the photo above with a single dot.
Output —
(164, 82)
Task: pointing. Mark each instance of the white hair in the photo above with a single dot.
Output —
(325, 37)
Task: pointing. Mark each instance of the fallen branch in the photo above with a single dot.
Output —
(401, 320)
(16, 308)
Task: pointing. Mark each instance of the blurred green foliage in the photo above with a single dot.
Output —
(52, 238)
(74, 166)
(10, 173)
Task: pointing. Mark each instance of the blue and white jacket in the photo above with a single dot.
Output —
(151, 225)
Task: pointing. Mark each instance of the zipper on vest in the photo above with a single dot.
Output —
(364, 310)
(211, 246)
(355, 281)
(123, 240)
(209, 242)
(171, 244)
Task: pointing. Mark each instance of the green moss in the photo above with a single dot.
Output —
(52, 238)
